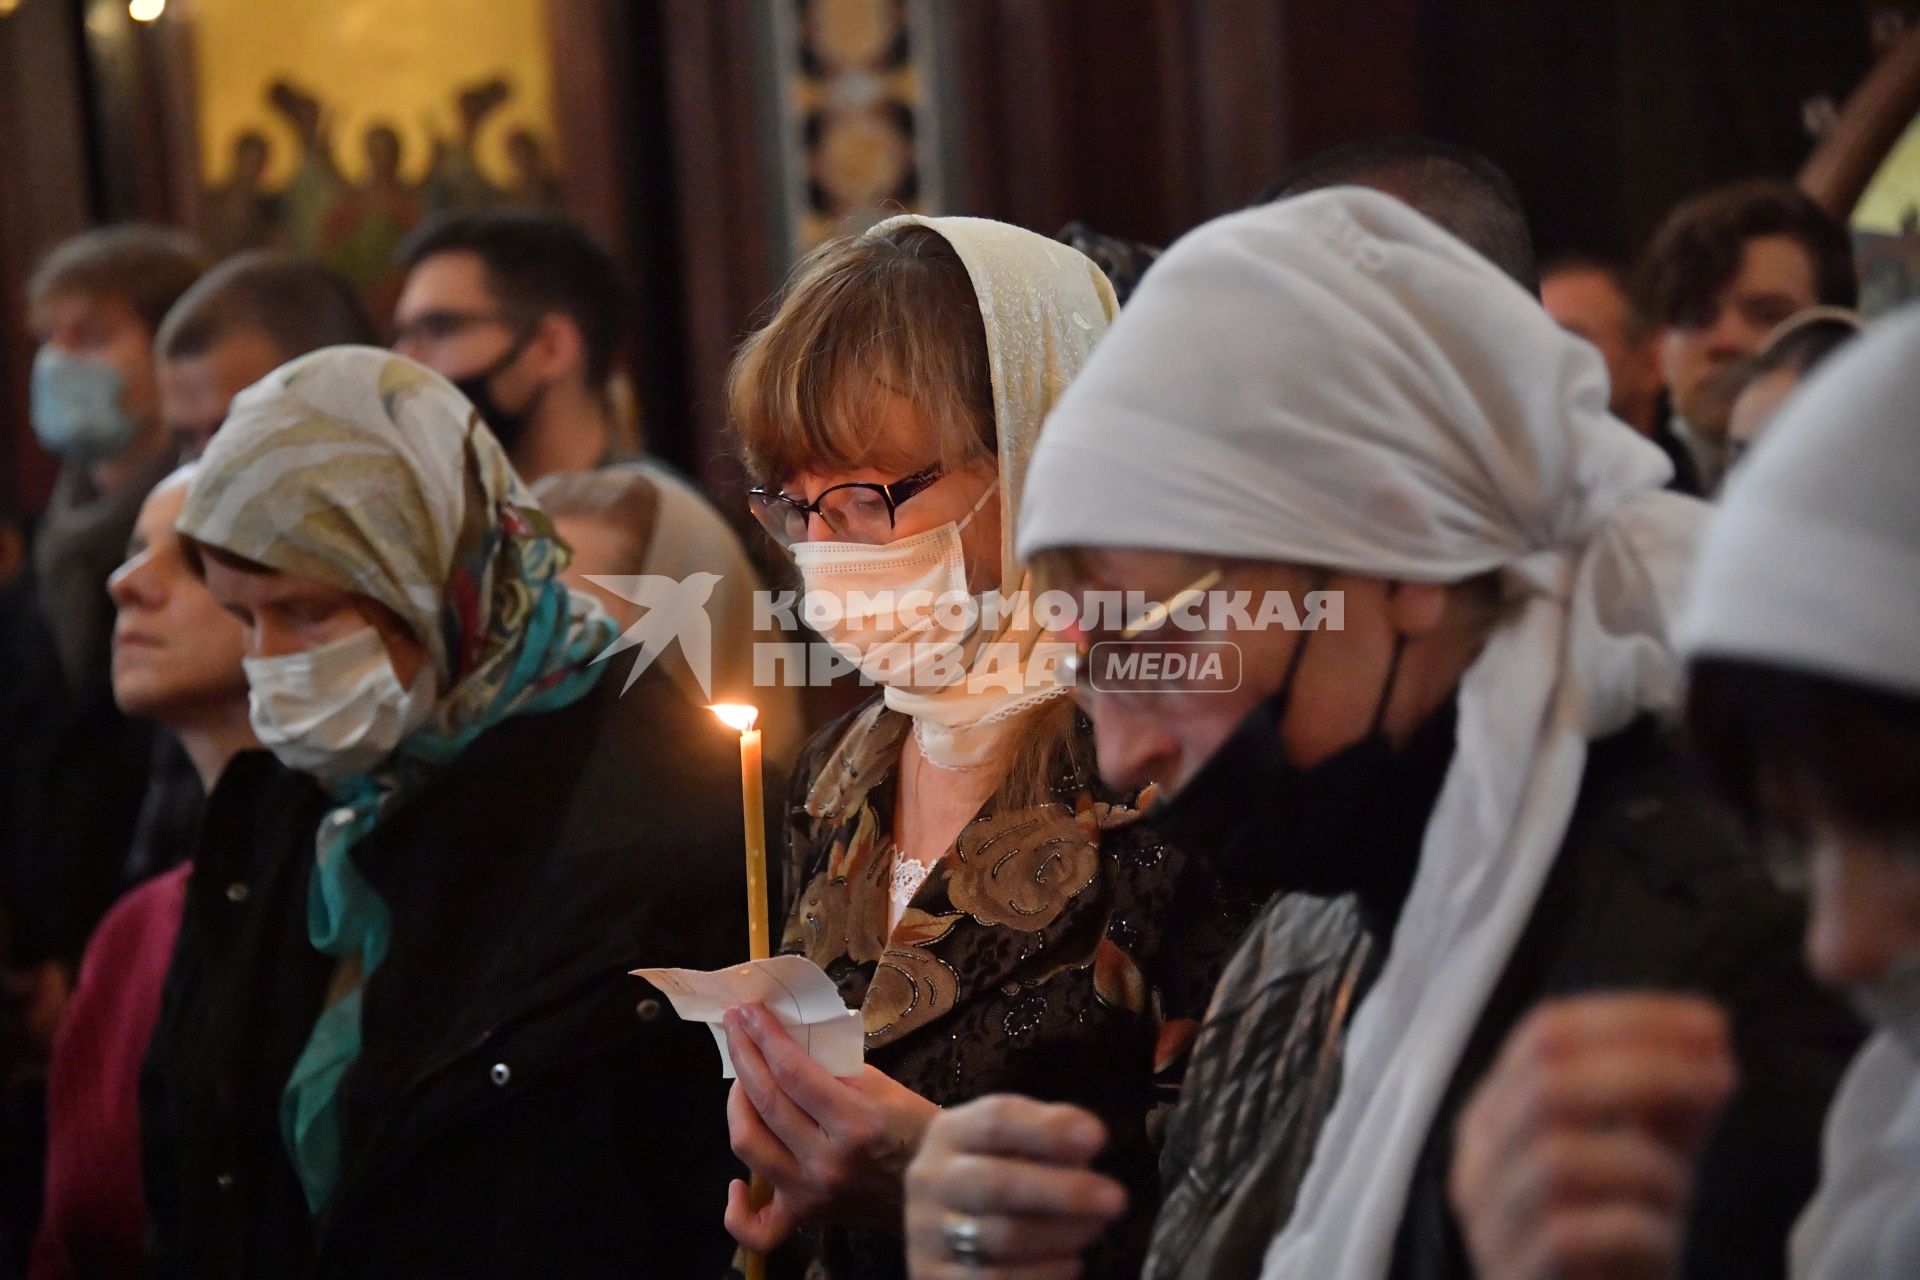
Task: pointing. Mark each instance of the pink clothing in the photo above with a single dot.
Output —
(95, 1216)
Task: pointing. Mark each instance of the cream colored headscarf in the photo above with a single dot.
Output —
(1044, 306)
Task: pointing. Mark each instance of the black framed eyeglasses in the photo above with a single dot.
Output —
(860, 511)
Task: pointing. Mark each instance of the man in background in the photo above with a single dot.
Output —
(1724, 270)
(73, 767)
(1455, 186)
(94, 304)
(524, 313)
(1590, 297)
(246, 317)
(71, 800)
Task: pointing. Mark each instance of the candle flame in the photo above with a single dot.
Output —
(738, 716)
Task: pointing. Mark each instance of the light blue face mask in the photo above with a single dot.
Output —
(76, 406)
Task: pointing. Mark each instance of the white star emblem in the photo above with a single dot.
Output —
(676, 609)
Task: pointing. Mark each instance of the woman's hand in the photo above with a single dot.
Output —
(1001, 1191)
(833, 1150)
(1575, 1156)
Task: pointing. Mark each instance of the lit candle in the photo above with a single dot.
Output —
(740, 717)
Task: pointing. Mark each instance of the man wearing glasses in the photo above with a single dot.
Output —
(522, 312)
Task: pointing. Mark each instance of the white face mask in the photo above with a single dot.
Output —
(1892, 1004)
(899, 611)
(336, 710)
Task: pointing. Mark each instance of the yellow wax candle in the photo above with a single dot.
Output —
(740, 718)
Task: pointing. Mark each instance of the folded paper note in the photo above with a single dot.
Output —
(793, 988)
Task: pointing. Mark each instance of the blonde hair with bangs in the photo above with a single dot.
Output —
(888, 311)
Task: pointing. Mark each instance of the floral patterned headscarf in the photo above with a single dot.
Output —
(361, 469)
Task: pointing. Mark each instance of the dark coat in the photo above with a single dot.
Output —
(73, 772)
(521, 1107)
(1653, 889)
(1686, 472)
(73, 769)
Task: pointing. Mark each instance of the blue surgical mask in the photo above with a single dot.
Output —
(76, 406)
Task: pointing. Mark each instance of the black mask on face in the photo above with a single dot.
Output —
(507, 425)
(1273, 825)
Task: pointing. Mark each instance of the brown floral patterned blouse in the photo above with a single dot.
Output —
(1062, 952)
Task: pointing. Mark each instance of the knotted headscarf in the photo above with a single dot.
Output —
(1334, 381)
(361, 469)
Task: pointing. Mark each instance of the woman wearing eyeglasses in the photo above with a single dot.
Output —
(956, 866)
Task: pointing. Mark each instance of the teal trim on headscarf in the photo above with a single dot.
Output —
(367, 471)
(346, 916)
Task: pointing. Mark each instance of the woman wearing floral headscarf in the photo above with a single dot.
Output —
(956, 866)
(442, 1039)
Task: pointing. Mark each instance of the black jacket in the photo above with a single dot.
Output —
(1686, 472)
(521, 1107)
(73, 771)
(1653, 889)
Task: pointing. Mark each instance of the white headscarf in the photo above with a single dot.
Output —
(1813, 565)
(1864, 1221)
(1044, 306)
(1335, 381)
(1821, 525)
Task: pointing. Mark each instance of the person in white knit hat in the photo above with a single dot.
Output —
(1804, 704)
